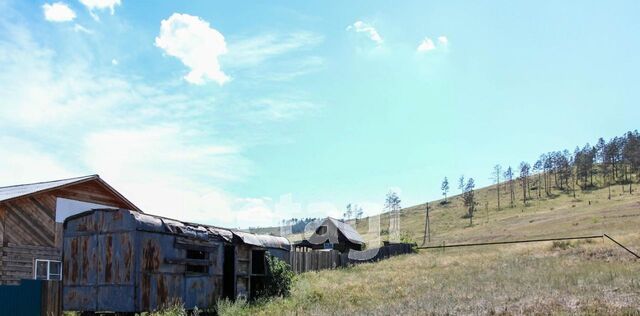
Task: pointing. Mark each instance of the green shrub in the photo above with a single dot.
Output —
(406, 238)
(279, 278)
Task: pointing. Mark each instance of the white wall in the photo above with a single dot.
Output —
(67, 207)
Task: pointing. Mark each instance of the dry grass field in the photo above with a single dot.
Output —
(579, 277)
(592, 277)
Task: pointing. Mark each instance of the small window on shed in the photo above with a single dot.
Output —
(258, 262)
(194, 266)
(321, 230)
(196, 254)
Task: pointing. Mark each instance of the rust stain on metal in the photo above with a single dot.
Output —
(161, 291)
(145, 289)
(85, 258)
(108, 263)
(150, 256)
(128, 253)
(74, 259)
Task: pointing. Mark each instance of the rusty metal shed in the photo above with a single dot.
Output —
(123, 261)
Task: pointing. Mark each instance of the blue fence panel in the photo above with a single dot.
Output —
(24, 299)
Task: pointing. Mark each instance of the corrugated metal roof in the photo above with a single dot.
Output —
(346, 230)
(265, 241)
(14, 191)
(154, 223)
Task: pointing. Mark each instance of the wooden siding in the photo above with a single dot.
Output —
(18, 261)
(90, 192)
(31, 221)
(28, 228)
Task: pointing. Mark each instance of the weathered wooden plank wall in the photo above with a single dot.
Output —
(304, 261)
(51, 300)
(18, 261)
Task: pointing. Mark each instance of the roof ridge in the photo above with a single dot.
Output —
(51, 181)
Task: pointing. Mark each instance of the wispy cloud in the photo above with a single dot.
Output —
(82, 29)
(93, 5)
(197, 45)
(368, 29)
(58, 12)
(279, 108)
(251, 51)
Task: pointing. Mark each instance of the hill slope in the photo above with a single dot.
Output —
(556, 215)
(594, 278)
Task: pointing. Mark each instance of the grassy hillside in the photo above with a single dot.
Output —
(546, 278)
(580, 277)
(560, 214)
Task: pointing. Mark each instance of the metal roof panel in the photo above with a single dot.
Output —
(14, 191)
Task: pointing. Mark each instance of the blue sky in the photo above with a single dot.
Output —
(245, 113)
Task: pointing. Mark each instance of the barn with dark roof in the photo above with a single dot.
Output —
(333, 234)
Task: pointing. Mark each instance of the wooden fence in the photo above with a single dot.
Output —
(315, 260)
(31, 297)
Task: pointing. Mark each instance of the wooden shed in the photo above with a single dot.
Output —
(31, 217)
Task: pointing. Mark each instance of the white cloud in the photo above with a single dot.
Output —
(80, 28)
(371, 32)
(426, 45)
(159, 168)
(114, 62)
(443, 40)
(58, 12)
(196, 44)
(101, 5)
(251, 51)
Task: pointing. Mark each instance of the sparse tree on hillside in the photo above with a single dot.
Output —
(524, 178)
(348, 213)
(497, 172)
(461, 185)
(508, 176)
(358, 213)
(538, 168)
(392, 205)
(547, 167)
(469, 199)
(445, 188)
(583, 160)
(631, 155)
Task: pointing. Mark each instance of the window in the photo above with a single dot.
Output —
(196, 268)
(48, 270)
(258, 262)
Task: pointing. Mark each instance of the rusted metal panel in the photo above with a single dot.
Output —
(202, 291)
(115, 298)
(79, 298)
(157, 290)
(117, 258)
(80, 264)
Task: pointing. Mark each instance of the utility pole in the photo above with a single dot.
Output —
(427, 228)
